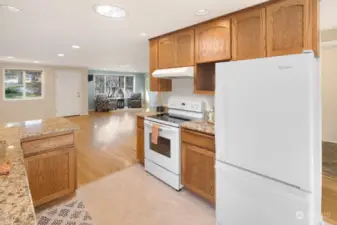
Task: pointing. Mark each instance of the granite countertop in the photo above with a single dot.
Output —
(200, 126)
(148, 113)
(16, 206)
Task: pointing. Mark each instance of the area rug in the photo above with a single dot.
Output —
(70, 213)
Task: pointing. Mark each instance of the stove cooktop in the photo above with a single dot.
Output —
(170, 119)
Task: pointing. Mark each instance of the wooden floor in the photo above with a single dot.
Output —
(106, 143)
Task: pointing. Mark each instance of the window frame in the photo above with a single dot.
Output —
(116, 75)
(24, 83)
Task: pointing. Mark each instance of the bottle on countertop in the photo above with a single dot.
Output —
(210, 115)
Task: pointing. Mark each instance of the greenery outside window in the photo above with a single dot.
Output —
(22, 84)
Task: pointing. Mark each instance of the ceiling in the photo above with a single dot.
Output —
(44, 29)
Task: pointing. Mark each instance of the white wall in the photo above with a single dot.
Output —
(329, 93)
(14, 111)
(185, 87)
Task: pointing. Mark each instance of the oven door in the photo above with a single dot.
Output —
(166, 153)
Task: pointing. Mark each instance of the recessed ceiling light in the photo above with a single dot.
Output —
(75, 46)
(10, 8)
(36, 61)
(201, 12)
(10, 57)
(143, 34)
(61, 55)
(111, 11)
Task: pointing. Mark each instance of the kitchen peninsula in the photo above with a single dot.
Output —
(51, 140)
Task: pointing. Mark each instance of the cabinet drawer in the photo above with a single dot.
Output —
(31, 147)
(199, 139)
(140, 122)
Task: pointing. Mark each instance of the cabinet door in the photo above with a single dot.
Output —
(153, 64)
(140, 145)
(289, 28)
(51, 175)
(155, 83)
(166, 52)
(184, 43)
(249, 35)
(198, 171)
(212, 41)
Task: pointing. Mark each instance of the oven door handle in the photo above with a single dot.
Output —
(162, 127)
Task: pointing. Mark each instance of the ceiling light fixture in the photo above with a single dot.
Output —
(36, 61)
(10, 8)
(201, 12)
(143, 34)
(61, 55)
(75, 46)
(111, 11)
(10, 57)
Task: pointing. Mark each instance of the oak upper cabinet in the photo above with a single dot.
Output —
(212, 41)
(289, 27)
(166, 52)
(153, 64)
(184, 44)
(159, 85)
(249, 34)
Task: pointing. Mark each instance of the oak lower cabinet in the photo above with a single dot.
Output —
(197, 164)
(249, 34)
(50, 163)
(140, 139)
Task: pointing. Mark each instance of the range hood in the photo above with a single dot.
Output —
(181, 72)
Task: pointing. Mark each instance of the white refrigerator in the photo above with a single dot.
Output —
(268, 141)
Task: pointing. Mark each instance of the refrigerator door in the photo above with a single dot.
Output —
(244, 198)
(267, 117)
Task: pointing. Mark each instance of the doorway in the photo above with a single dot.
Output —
(68, 95)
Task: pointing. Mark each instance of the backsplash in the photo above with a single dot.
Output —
(184, 87)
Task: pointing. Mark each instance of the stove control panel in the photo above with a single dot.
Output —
(186, 105)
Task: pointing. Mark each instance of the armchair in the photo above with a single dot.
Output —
(135, 100)
(104, 104)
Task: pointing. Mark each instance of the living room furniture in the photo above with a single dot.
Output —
(105, 104)
(135, 100)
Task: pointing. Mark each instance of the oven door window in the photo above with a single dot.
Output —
(162, 147)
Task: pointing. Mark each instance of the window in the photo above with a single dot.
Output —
(114, 86)
(23, 84)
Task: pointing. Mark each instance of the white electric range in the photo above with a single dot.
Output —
(163, 159)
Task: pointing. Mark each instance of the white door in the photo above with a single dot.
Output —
(267, 117)
(68, 95)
